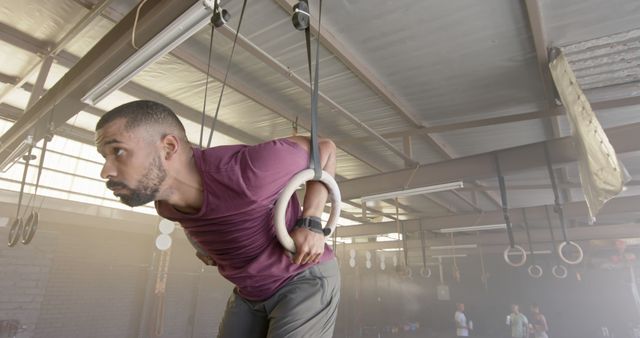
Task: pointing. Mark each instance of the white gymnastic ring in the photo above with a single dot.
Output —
(283, 201)
(516, 264)
(562, 275)
(425, 272)
(30, 226)
(535, 271)
(565, 259)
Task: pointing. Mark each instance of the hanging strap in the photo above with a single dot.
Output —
(505, 206)
(313, 81)
(553, 237)
(422, 244)
(24, 180)
(46, 140)
(557, 208)
(226, 72)
(526, 228)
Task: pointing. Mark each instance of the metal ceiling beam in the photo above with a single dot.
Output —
(113, 49)
(536, 214)
(541, 238)
(513, 160)
(557, 111)
(48, 57)
(12, 114)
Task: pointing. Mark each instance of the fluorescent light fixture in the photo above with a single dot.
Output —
(16, 154)
(412, 192)
(393, 236)
(187, 24)
(473, 228)
(391, 249)
(446, 247)
(449, 256)
(535, 252)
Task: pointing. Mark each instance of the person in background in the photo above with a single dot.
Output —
(462, 326)
(518, 322)
(538, 324)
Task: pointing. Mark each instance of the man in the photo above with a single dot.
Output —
(462, 327)
(518, 322)
(538, 322)
(224, 198)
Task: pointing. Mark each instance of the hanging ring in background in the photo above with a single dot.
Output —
(567, 260)
(523, 254)
(14, 232)
(535, 271)
(559, 271)
(425, 272)
(285, 196)
(30, 227)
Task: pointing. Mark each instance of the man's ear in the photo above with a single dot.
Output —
(170, 146)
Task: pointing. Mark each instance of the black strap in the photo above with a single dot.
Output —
(553, 237)
(405, 248)
(313, 82)
(312, 223)
(206, 83)
(526, 228)
(422, 244)
(557, 208)
(505, 206)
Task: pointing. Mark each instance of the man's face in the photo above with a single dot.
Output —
(514, 308)
(133, 166)
(461, 307)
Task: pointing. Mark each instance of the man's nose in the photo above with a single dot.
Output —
(108, 170)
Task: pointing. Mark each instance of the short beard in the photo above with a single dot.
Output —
(147, 188)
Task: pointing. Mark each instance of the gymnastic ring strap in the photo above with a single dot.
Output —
(505, 205)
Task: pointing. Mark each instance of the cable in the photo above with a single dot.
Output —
(226, 73)
(206, 84)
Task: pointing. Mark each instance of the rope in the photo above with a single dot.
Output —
(226, 73)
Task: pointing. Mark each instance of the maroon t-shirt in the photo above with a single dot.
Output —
(235, 224)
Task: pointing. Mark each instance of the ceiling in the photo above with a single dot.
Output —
(413, 95)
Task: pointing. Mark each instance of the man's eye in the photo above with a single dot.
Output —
(118, 151)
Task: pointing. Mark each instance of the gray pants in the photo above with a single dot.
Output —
(307, 306)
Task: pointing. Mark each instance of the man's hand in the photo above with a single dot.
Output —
(206, 259)
(309, 246)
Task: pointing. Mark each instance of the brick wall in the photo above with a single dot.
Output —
(24, 273)
(74, 281)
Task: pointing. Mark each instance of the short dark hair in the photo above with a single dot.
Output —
(143, 112)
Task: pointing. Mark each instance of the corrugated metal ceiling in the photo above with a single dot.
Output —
(445, 61)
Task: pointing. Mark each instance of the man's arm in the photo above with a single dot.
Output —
(309, 244)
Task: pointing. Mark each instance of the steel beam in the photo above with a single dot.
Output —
(513, 160)
(541, 239)
(536, 214)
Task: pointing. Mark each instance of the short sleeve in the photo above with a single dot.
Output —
(269, 166)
